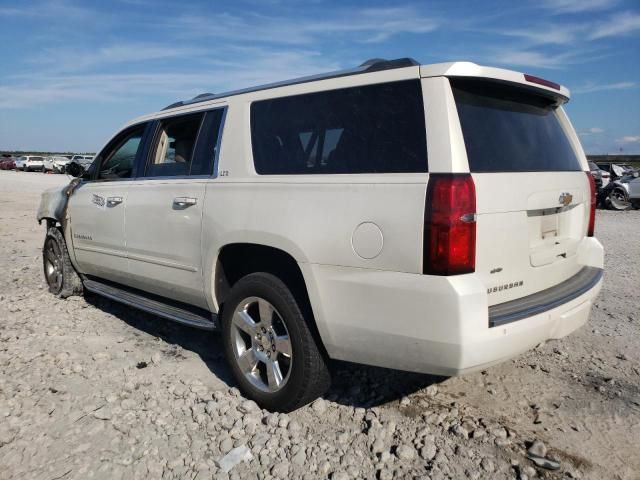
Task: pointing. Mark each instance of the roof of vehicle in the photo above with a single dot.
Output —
(373, 66)
(450, 69)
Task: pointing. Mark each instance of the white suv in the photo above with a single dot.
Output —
(30, 163)
(432, 218)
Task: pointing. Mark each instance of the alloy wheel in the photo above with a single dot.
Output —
(261, 344)
(53, 262)
(619, 199)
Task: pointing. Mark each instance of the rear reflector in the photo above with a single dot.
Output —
(450, 225)
(592, 210)
(541, 81)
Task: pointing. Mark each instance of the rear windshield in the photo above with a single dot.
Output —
(507, 129)
(369, 129)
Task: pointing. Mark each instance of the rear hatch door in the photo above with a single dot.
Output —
(532, 195)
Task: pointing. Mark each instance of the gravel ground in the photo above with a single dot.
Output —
(92, 389)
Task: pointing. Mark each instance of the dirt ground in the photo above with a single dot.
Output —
(93, 389)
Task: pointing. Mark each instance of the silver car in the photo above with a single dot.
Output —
(624, 190)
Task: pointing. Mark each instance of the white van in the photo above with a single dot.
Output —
(431, 218)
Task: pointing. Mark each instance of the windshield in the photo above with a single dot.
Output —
(508, 129)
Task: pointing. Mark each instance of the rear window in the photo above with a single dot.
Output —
(369, 129)
(507, 129)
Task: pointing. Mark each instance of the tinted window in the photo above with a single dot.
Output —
(370, 129)
(208, 143)
(511, 130)
(118, 158)
(174, 146)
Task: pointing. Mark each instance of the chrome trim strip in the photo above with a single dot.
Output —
(140, 258)
(104, 251)
(540, 302)
(550, 211)
(164, 263)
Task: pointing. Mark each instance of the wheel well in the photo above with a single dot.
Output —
(240, 259)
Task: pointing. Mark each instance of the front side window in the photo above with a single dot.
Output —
(118, 159)
(174, 146)
(369, 129)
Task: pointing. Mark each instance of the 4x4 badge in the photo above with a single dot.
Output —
(565, 198)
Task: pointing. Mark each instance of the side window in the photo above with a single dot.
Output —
(208, 143)
(117, 160)
(369, 129)
(174, 146)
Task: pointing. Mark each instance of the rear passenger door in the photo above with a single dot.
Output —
(164, 207)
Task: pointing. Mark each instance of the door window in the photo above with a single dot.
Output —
(118, 159)
(174, 146)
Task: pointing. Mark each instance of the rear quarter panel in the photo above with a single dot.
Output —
(311, 217)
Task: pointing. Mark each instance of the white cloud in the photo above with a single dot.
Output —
(531, 58)
(57, 9)
(630, 139)
(575, 6)
(595, 87)
(66, 59)
(618, 24)
(369, 25)
(560, 34)
(254, 66)
(587, 132)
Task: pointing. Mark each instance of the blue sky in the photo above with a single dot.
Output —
(73, 71)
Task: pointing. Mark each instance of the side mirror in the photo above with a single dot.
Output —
(75, 169)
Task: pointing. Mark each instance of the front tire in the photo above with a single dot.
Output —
(62, 279)
(269, 345)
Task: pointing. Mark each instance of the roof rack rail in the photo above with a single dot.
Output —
(371, 65)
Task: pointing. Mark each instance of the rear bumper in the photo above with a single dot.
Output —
(546, 300)
(437, 325)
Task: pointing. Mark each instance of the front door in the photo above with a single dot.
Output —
(97, 207)
(164, 208)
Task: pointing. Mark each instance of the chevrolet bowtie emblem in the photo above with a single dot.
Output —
(565, 199)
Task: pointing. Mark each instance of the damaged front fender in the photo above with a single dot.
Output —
(53, 202)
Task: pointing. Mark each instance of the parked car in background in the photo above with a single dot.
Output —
(29, 163)
(20, 161)
(623, 191)
(7, 163)
(83, 160)
(596, 173)
(57, 164)
(33, 164)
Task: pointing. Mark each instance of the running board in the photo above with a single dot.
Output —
(181, 313)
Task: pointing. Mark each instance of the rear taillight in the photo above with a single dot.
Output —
(592, 211)
(450, 225)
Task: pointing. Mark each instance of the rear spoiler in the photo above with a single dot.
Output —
(537, 85)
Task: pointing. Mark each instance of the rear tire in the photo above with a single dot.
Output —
(62, 279)
(261, 317)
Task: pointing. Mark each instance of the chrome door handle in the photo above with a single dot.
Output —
(113, 201)
(184, 201)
